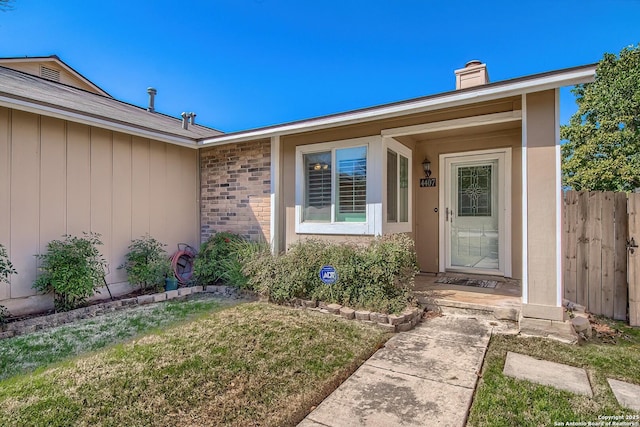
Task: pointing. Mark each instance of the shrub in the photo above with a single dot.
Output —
(6, 268)
(146, 263)
(4, 316)
(73, 269)
(217, 255)
(377, 277)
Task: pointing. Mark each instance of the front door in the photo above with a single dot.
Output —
(474, 212)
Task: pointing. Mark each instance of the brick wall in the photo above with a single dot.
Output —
(235, 190)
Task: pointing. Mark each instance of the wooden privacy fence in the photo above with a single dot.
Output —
(601, 266)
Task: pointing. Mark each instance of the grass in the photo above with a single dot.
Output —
(28, 352)
(505, 401)
(252, 364)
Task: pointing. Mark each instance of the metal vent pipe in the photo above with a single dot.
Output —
(185, 120)
(152, 97)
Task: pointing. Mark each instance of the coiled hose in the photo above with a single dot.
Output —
(182, 263)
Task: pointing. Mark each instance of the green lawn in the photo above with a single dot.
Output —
(505, 401)
(252, 364)
(28, 352)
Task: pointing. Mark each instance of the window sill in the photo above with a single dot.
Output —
(352, 228)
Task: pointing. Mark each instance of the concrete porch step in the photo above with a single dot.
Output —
(487, 311)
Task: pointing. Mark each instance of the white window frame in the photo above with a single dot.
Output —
(370, 226)
(400, 150)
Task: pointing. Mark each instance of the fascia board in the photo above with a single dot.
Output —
(583, 75)
(44, 110)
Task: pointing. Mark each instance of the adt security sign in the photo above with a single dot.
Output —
(328, 274)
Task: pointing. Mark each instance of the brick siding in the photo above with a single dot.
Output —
(235, 190)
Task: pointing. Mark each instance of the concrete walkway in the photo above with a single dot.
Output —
(423, 377)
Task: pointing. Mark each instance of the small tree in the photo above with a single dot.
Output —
(146, 263)
(6, 268)
(602, 151)
(73, 269)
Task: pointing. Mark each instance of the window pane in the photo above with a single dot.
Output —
(351, 185)
(392, 186)
(404, 189)
(474, 190)
(317, 194)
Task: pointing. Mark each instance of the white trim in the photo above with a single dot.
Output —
(558, 189)
(449, 99)
(274, 230)
(94, 121)
(373, 222)
(525, 207)
(402, 150)
(463, 123)
(503, 156)
(441, 215)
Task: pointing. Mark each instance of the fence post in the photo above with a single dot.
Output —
(634, 260)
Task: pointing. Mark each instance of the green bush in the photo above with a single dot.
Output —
(6, 268)
(4, 316)
(216, 257)
(147, 264)
(377, 277)
(73, 269)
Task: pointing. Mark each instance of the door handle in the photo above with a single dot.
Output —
(448, 213)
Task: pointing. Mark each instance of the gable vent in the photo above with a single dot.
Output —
(49, 73)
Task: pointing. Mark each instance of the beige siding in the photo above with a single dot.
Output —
(5, 188)
(53, 185)
(58, 177)
(122, 218)
(24, 203)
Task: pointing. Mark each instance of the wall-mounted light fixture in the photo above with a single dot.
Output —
(426, 166)
(319, 166)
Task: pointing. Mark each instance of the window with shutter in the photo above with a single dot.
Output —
(351, 185)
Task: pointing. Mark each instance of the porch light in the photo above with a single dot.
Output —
(426, 166)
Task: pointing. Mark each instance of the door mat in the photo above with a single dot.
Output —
(479, 283)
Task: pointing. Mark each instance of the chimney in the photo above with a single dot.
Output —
(185, 121)
(474, 73)
(192, 118)
(152, 96)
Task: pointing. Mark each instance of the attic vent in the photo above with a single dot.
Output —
(49, 73)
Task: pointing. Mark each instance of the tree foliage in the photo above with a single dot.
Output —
(6, 5)
(602, 151)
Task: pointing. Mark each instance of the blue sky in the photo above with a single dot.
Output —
(241, 64)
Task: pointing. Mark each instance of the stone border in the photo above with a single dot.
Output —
(33, 324)
(402, 322)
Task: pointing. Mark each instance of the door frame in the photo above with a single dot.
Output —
(504, 177)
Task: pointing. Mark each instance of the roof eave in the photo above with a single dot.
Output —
(78, 117)
(516, 87)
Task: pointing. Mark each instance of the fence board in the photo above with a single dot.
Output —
(634, 260)
(569, 245)
(608, 255)
(582, 251)
(594, 235)
(620, 300)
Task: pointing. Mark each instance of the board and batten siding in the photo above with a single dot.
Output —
(59, 177)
